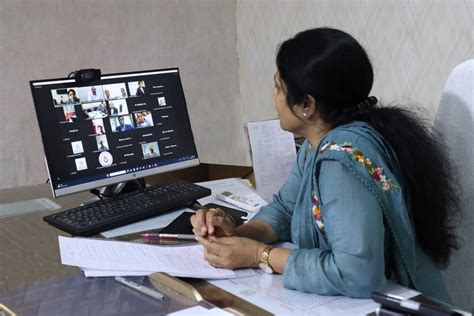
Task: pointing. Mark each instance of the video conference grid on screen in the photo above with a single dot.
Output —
(114, 126)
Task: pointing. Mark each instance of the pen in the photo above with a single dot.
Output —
(169, 236)
(410, 306)
(140, 288)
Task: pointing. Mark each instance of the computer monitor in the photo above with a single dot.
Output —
(117, 128)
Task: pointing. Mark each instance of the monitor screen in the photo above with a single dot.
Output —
(117, 128)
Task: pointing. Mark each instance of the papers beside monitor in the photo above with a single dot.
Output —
(111, 256)
(234, 185)
(273, 155)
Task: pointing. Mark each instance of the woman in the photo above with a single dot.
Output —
(370, 194)
(73, 99)
(100, 130)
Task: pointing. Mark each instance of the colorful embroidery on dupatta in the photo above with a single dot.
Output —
(375, 172)
(317, 211)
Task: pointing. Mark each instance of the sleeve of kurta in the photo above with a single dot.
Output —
(278, 213)
(353, 222)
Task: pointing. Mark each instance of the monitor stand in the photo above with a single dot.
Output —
(123, 187)
(114, 190)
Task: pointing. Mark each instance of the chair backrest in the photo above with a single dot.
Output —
(455, 121)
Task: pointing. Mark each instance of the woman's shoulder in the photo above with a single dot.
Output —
(361, 148)
(355, 134)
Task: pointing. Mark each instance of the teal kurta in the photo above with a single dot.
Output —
(344, 205)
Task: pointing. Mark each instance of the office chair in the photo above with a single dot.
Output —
(455, 121)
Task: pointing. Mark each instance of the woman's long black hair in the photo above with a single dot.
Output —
(333, 68)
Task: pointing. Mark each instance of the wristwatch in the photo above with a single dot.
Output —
(264, 265)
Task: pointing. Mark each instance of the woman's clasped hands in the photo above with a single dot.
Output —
(215, 230)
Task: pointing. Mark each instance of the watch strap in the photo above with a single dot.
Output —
(266, 255)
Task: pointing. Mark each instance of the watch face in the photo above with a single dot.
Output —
(265, 267)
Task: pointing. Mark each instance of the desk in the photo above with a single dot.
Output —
(29, 249)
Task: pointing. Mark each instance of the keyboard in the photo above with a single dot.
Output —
(124, 209)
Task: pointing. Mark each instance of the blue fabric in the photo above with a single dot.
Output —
(365, 232)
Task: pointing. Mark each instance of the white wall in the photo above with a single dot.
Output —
(50, 38)
(413, 44)
(225, 50)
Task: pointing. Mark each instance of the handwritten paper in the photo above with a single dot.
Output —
(273, 155)
(107, 255)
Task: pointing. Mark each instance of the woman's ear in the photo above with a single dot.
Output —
(308, 107)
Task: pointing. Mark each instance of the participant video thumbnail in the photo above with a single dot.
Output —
(72, 97)
(115, 91)
(150, 150)
(137, 88)
(105, 159)
(161, 101)
(102, 143)
(118, 107)
(121, 123)
(91, 94)
(77, 147)
(69, 113)
(60, 97)
(81, 164)
(95, 110)
(143, 119)
(98, 127)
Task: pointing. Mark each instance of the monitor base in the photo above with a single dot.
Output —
(123, 187)
(114, 190)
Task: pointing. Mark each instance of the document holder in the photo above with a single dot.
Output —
(175, 288)
(6, 311)
(190, 294)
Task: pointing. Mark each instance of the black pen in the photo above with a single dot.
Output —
(409, 306)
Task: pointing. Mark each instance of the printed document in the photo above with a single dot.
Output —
(273, 154)
(267, 291)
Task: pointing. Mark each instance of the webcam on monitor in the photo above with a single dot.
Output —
(85, 75)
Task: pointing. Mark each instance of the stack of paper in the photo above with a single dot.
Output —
(98, 257)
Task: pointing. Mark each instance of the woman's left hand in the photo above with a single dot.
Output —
(231, 252)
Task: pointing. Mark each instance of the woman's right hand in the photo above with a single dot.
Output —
(212, 222)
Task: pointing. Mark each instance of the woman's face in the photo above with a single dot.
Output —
(288, 120)
(72, 95)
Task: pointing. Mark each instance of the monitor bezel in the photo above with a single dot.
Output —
(121, 177)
